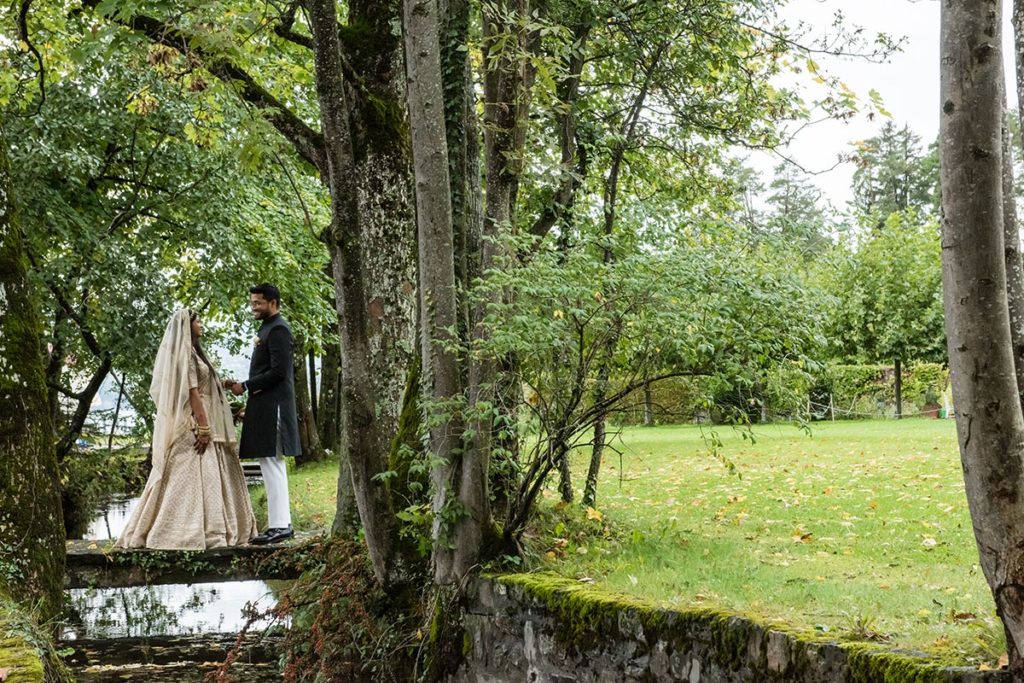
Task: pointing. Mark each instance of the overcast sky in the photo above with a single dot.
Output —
(908, 82)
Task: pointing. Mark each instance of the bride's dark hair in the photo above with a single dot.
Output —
(192, 315)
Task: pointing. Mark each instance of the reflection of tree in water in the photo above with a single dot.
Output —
(145, 611)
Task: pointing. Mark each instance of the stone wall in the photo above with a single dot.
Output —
(541, 629)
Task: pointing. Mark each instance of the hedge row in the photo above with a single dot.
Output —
(845, 391)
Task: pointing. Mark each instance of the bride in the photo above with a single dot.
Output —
(196, 496)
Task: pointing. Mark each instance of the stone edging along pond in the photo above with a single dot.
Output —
(540, 628)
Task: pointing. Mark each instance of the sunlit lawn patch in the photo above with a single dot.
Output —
(313, 490)
(858, 531)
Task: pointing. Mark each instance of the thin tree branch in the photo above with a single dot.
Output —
(308, 142)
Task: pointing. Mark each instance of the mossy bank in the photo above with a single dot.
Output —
(26, 654)
(546, 628)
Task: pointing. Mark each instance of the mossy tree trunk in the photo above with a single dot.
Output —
(990, 423)
(372, 239)
(31, 523)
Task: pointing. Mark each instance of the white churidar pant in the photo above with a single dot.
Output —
(275, 479)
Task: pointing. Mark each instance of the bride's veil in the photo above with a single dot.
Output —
(169, 388)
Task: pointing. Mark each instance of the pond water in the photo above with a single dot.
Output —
(177, 609)
(110, 518)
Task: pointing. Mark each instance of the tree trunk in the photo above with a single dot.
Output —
(898, 384)
(309, 437)
(596, 454)
(313, 394)
(349, 243)
(31, 524)
(565, 490)
(438, 306)
(461, 132)
(648, 406)
(610, 196)
(1011, 247)
(328, 418)
(990, 424)
(83, 404)
(507, 75)
(505, 471)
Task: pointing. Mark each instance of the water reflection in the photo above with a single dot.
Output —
(177, 609)
(110, 518)
(165, 610)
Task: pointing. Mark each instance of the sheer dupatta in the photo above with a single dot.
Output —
(169, 388)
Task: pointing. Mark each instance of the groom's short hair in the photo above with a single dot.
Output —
(269, 292)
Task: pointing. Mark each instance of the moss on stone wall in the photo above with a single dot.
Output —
(25, 651)
(585, 616)
(583, 612)
(869, 663)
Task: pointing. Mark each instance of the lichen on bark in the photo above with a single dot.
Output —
(31, 524)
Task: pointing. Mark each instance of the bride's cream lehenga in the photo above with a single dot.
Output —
(192, 500)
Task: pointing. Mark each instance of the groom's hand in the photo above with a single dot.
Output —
(237, 389)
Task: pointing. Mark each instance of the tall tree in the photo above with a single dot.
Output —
(31, 524)
(441, 384)
(889, 305)
(990, 423)
(795, 213)
(893, 173)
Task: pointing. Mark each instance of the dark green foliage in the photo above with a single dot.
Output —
(888, 293)
(92, 476)
(893, 174)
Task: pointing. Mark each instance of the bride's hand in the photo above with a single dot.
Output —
(201, 443)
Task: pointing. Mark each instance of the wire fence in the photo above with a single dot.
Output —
(830, 410)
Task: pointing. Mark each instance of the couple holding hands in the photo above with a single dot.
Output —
(196, 496)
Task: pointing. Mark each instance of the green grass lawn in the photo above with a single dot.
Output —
(858, 531)
(313, 493)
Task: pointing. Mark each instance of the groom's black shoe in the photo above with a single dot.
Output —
(275, 535)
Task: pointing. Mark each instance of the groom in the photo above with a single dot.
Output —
(270, 428)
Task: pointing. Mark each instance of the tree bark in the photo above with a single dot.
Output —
(83, 405)
(313, 394)
(348, 243)
(328, 418)
(309, 437)
(898, 386)
(31, 522)
(648, 406)
(596, 454)
(438, 306)
(1011, 247)
(990, 425)
(507, 76)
